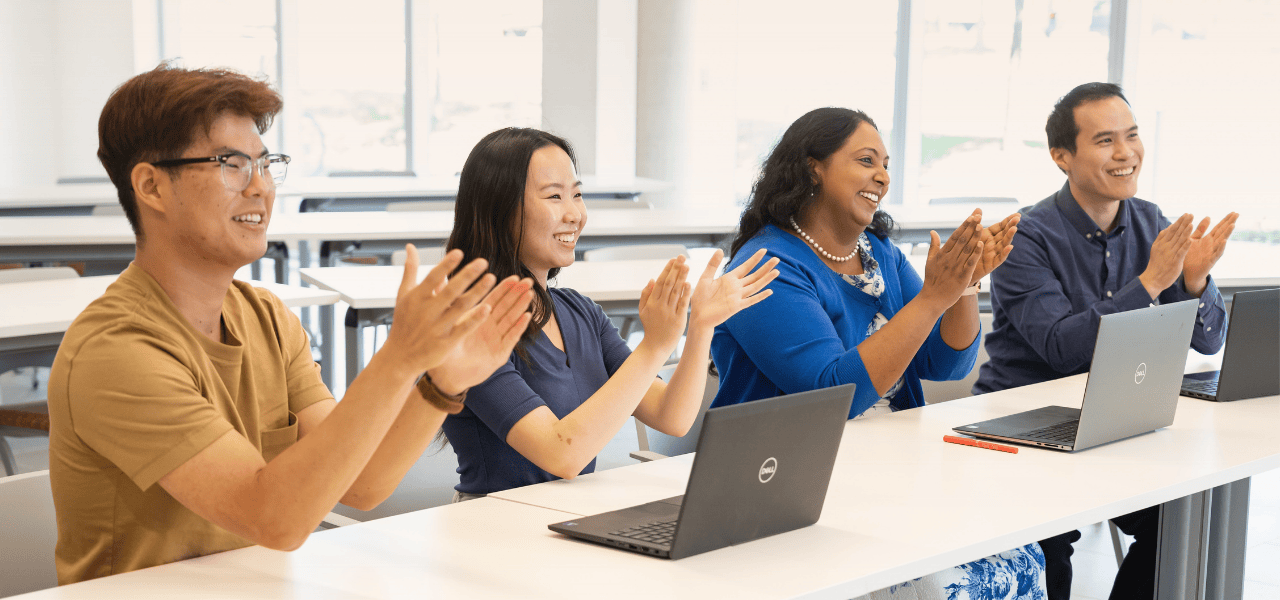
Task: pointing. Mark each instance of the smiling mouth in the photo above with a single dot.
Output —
(1121, 172)
(566, 238)
(251, 218)
(869, 196)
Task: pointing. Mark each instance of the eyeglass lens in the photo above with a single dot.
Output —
(237, 170)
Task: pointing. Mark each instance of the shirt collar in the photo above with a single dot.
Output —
(1081, 220)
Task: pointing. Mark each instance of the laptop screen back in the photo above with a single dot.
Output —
(1136, 375)
(1251, 361)
(761, 468)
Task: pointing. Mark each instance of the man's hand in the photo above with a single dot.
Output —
(488, 346)
(1167, 255)
(433, 317)
(997, 243)
(1205, 251)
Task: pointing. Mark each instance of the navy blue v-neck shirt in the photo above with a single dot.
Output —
(561, 381)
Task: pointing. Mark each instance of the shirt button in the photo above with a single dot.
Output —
(1208, 329)
(1108, 293)
(1088, 236)
(1108, 254)
(1201, 305)
(1099, 234)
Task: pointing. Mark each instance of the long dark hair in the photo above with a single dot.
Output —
(786, 183)
(488, 220)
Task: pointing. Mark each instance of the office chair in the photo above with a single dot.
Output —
(655, 445)
(29, 531)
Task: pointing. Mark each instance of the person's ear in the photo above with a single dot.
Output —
(149, 186)
(815, 172)
(1062, 157)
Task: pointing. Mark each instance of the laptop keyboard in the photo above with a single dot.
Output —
(657, 532)
(1062, 433)
(1204, 387)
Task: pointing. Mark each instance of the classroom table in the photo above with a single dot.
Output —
(1197, 468)
(35, 314)
(901, 504)
(371, 291)
(53, 200)
(347, 194)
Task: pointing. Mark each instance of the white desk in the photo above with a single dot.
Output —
(374, 193)
(49, 200)
(371, 292)
(34, 314)
(893, 512)
(900, 461)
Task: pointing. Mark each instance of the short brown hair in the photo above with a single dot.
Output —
(156, 116)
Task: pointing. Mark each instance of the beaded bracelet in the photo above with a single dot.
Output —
(437, 398)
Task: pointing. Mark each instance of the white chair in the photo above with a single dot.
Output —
(29, 533)
(655, 445)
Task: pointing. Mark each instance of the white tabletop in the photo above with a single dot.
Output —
(80, 194)
(410, 187)
(602, 281)
(953, 504)
(40, 307)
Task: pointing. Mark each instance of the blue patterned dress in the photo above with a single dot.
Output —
(1016, 574)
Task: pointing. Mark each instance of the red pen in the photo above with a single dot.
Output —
(964, 441)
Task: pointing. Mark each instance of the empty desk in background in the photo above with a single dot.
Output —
(345, 194)
(56, 200)
(35, 314)
(371, 293)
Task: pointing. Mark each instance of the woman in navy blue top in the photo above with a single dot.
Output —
(571, 383)
(849, 308)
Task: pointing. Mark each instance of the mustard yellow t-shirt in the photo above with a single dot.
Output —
(136, 391)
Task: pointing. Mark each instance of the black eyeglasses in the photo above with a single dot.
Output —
(237, 168)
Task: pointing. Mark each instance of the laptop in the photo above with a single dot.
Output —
(1251, 359)
(761, 468)
(1132, 388)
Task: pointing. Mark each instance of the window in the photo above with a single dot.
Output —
(1205, 90)
(990, 74)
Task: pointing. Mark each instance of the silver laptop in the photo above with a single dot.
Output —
(761, 468)
(1251, 359)
(1132, 387)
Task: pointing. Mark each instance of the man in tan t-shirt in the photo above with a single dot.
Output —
(187, 415)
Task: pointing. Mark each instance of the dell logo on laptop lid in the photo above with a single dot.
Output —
(767, 470)
(1141, 373)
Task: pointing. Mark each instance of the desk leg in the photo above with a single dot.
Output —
(1228, 533)
(355, 345)
(1182, 548)
(328, 343)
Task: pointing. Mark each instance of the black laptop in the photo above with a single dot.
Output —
(1132, 388)
(1251, 359)
(761, 469)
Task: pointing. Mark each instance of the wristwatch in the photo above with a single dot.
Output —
(435, 397)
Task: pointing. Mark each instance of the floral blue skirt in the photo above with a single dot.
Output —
(1017, 574)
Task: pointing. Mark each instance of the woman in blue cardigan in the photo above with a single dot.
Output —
(847, 307)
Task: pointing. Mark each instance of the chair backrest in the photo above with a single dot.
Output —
(636, 252)
(107, 210)
(431, 255)
(36, 274)
(421, 205)
(28, 534)
(667, 445)
(941, 391)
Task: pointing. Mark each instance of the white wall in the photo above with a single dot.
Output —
(59, 60)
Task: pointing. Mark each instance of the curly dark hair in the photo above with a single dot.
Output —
(787, 182)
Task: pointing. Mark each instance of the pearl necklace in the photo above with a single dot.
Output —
(819, 248)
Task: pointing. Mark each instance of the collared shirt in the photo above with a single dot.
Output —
(1063, 274)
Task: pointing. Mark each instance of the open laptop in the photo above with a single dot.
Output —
(1132, 387)
(761, 468)
(1251, 359)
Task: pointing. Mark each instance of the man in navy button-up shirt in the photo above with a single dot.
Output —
(1091, 249)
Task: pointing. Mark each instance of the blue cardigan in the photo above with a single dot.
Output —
(805, 336)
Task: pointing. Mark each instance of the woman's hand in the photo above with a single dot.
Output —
(717, 299)
(664, 306)
(997, 242)
(950, 267)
